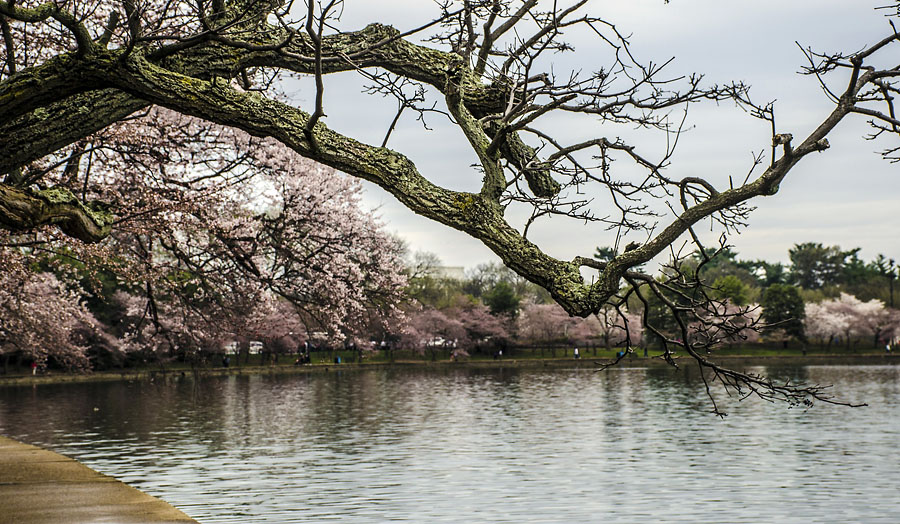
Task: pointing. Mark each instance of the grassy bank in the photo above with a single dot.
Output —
(736, 357)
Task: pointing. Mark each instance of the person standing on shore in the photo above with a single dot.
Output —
(576, 354)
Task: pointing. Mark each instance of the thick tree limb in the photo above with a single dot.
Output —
(24, 210)
(193, 76)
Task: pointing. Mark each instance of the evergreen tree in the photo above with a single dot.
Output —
(783, 310)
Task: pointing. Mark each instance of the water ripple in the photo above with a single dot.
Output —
(479, 446)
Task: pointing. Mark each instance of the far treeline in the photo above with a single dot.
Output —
(825, 297)
(62, 314)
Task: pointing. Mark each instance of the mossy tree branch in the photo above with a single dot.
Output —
(26, 210)
(72, 95)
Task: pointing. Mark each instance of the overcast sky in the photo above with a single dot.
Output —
(846, 196)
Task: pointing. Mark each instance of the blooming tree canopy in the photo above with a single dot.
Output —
(40, 317)
(73, 69)
(847, 317)
(215, 226)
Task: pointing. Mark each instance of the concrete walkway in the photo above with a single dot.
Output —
(38, 486)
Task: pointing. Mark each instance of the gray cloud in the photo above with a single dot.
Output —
(847, 196)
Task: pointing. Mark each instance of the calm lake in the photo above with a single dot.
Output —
(480, 445)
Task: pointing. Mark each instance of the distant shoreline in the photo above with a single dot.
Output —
(556, 363)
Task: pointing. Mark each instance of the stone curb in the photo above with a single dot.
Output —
(38, 486)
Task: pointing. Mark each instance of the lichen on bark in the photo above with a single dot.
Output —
(26, 210)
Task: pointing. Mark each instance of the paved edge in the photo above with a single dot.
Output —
(38, 486)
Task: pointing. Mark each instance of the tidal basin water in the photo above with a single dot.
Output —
(480, 445)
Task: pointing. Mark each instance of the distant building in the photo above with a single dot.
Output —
(450, 272)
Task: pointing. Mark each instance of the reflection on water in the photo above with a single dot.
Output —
(466, 445)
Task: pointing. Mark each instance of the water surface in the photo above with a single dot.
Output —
(475, 445)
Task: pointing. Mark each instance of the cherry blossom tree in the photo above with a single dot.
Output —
(428, 330)
(823, 323)
(215, 60)
(882, 323)
(549, 325)
(851, 308)
(460, 328)
(72, 69)
(276, 323)
(544, 324)
(847, 317)
(481, 326)
(223, 226)
(616, 327)
(160, 331)
(42, 320)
